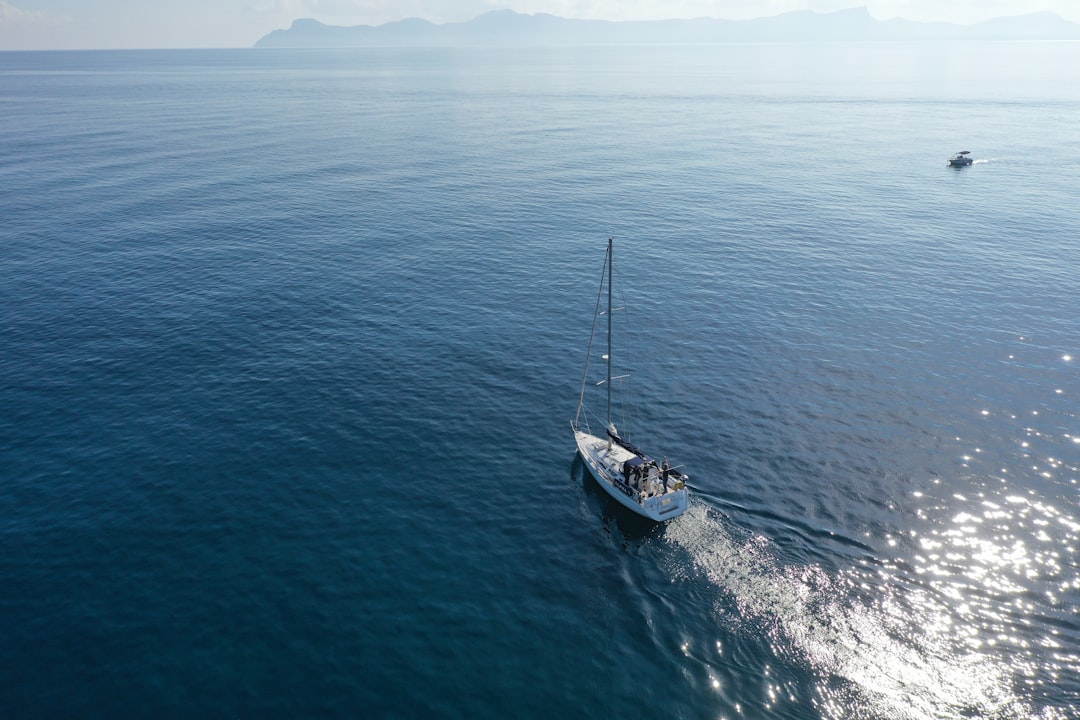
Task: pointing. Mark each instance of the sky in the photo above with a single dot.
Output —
(102, 24)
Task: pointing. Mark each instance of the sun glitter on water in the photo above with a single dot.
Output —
(914, 649)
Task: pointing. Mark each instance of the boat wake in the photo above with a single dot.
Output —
(874, 657)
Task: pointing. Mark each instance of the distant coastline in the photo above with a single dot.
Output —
(506, 27)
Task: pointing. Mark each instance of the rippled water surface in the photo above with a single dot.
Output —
(291, 342)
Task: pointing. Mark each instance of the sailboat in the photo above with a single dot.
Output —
(654, 490)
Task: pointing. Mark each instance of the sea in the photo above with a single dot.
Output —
(291, 341)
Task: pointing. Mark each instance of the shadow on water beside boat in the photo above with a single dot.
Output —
(599, 502)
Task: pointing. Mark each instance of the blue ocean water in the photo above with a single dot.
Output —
(291, 341)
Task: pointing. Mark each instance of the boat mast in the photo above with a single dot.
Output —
(609, 279)
(592, 337)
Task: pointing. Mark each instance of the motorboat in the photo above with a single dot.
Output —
(961, 159)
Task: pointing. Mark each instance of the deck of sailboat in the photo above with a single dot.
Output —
(608, 458)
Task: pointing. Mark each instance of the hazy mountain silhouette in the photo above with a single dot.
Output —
(506, 27)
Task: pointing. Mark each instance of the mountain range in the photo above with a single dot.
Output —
(506, 27)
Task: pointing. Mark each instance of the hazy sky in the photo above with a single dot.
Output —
(59, 24)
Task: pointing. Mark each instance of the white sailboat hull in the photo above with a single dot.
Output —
(647, 498)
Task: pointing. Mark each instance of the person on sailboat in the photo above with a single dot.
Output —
(665, 470)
